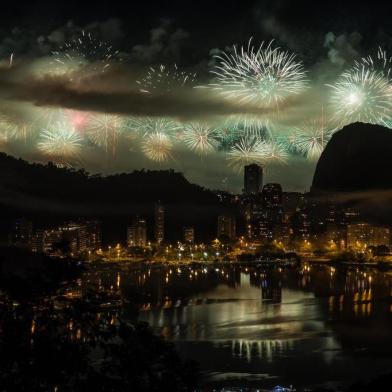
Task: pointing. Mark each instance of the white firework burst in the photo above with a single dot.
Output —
(361, 94)
(250, 125)
(263, 76)
(14, 129)
(273, 152)
(157, 147)
(311, 138)
(165, 79)
(200, 138)
(85, 48)
(104, 130)
(380, 63)
(152, 125)
(60, 143)
(245, 152)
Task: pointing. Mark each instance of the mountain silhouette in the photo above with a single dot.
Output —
(48, 195)
(357, 158)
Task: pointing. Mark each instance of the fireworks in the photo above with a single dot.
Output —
(79, 120)
(273, 152)
(381, 63)
(361, 94)
(245, 152)
(7, 131)
(250, 125)
(11, 129)
(151, 125)
(165, 79)
(104, 130)
(61, 143)
(228, 136)
(200, 139)
(157, 147)
(83, 49)
(263, 76)
(311, 139)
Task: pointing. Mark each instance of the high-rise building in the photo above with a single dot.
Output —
(21, 234)
(273, 203)
(253, 179)
(159, 223)
(272, 196)
(137, 232)
(76, 236)
(94, 234)
(71, 238)
(227, 226)
(189, 235)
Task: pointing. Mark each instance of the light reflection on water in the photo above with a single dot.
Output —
(314, 325)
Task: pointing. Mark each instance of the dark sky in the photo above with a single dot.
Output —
(326, 36)
(219, 22)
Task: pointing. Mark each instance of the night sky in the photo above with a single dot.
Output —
(35, 95)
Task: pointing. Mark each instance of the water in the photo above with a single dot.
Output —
(310, 326)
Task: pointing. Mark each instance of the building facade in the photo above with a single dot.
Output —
(226, 226)
(189, 235)
(137, 232)
(159, 224)
(253, 179)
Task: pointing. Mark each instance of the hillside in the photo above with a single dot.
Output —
(47, 194)
(357, 158)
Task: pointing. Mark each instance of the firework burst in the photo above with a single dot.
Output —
(361, 94)
(60, 143)
(311, 139)
(165, 79)
(84, 49)
(250, 125)
(7, 130)
(381, 63)
(245, 152)
(200, 139)
(273, 151)
(78, 119)
(157, 147)
(12, 129)
(263, 76)
(151, 125)
(104, 131)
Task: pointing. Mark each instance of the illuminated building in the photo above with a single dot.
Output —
(272, 196)
(137, 232)
(253, 179)
(226, 226)
(265, 232)
(73, 238)
(76, 236)
(292, 201)
(21, 234)
(159, 223)
(94, 234)
(189, 235)
(363, 235)
(37, 241)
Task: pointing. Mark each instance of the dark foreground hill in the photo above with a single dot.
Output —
(357, 158)
(47, 194)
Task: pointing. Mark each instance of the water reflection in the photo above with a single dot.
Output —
(279, 323)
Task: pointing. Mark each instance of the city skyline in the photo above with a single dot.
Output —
(195, 196)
